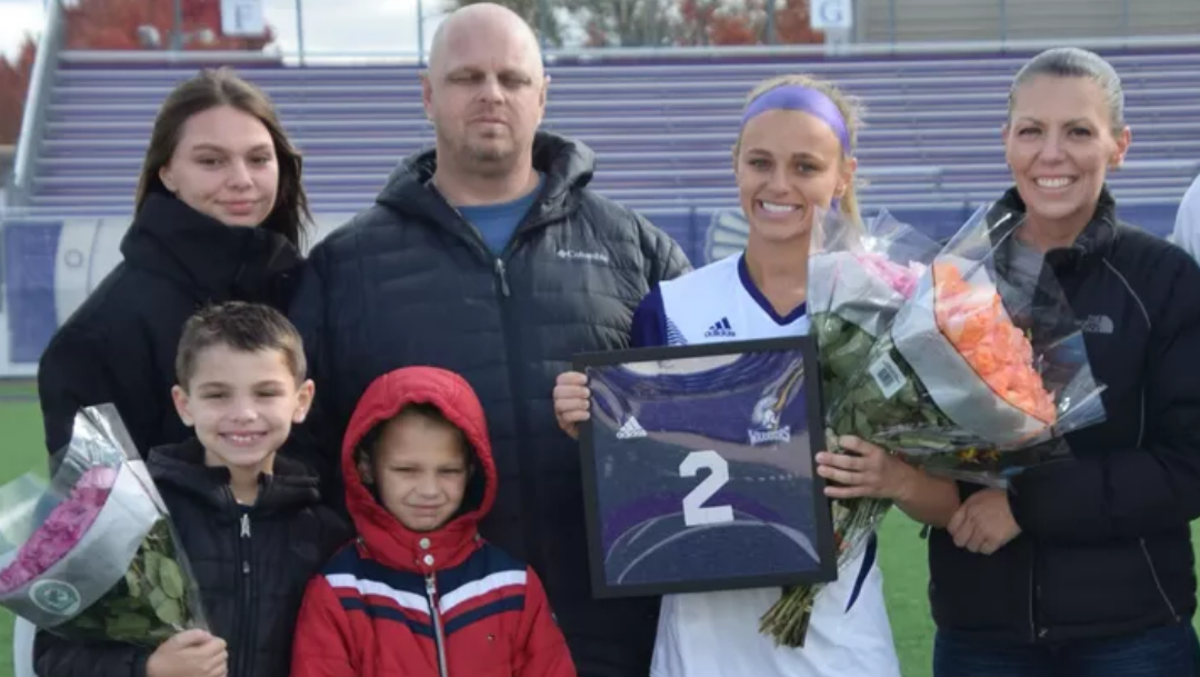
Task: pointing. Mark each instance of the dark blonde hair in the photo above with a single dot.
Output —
(1072, 62)
(850, 108)
(244, 327)
(221, 87)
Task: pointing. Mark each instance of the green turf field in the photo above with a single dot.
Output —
(21, 450)
(901, 551)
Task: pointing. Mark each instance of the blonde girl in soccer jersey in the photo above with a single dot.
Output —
(794, 156)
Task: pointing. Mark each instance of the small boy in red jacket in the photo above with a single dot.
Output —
(420, 593)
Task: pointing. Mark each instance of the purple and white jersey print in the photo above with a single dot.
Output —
(706, 469)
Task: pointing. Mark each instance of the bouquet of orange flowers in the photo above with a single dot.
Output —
(982, 370)
(978, 377)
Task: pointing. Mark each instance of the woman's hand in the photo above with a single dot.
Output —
(984, 523)
(572, 400)
(868, 471)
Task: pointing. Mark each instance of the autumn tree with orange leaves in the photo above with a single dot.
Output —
(684, 23)
(721, 22)
(14, 82)
(113, 25)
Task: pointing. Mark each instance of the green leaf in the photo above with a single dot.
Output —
(152, 561)
(87, 622)
(131, 580)
(172, 578)
(169, 611)
(127, 627)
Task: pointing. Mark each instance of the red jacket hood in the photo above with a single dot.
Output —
(383, 536)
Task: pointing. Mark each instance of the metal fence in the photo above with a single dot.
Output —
(370, 29)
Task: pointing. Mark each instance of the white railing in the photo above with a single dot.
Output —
(617, 54)
(41, 82)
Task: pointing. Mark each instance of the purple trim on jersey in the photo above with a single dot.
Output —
(868, 561)
(805, 100)
(649, 327)
(753, 291)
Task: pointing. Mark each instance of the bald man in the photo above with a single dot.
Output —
(489, 256)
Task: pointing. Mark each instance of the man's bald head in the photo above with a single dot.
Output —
(486, 22)
(485, 92)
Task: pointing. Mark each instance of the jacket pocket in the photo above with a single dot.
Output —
(1158, 585)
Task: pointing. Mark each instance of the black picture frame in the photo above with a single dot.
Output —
(826, 565)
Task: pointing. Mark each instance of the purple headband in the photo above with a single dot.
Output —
(805, 100)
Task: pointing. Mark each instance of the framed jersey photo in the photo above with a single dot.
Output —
(698, 468)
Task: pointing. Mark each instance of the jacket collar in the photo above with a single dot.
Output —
(208, 259)
(1096, 239)
(181, 466)
(381, 535)
(566, 164)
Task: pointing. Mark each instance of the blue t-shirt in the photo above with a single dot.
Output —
(496, 223)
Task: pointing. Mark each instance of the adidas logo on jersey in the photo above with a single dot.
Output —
(720, 330)
(632, 429)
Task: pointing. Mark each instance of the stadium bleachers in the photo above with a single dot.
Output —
(662, 132)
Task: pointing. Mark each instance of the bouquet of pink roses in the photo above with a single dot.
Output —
(93, 555)
(859, 277)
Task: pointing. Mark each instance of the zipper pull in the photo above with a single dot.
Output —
(503, 277)
(245, 525)
(431, 590)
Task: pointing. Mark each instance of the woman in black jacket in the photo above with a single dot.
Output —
(1085, 567)
(219, 216)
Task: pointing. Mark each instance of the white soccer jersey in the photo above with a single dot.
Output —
(716, 634)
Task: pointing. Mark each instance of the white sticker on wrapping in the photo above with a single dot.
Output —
(887, 376)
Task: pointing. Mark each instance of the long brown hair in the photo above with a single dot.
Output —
(222, 87)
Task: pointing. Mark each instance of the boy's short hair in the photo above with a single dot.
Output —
(365, 451)
(244, 327)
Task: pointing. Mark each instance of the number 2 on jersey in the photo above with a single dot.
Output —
(695, 513)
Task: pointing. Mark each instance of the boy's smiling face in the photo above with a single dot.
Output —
(242, 405)
(420, 469)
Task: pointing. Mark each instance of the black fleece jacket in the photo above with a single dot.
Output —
(1105, 548)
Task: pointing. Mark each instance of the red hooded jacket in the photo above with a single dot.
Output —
(398, 603)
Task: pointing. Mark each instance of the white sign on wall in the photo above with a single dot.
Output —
(825, 14)
(242, 18)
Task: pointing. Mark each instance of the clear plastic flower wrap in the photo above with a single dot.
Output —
(983, 367)
(859, 277)
(93, 555)
(979, 375)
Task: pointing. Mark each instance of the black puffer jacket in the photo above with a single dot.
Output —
(251, 564)
(119, 345)
(1106, 547)
(409, 282)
